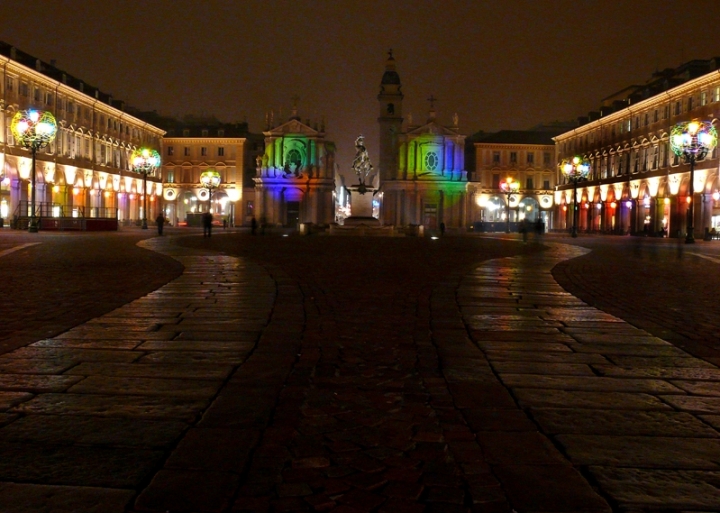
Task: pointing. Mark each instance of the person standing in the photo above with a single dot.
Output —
(160, 221)
(253, 226)
(207, 220)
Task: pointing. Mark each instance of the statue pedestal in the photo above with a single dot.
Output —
(361, 206)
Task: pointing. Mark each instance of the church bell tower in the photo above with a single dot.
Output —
(390, 119)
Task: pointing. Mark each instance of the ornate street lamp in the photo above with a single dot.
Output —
(210, 180)
(508, 187)
(575, 170)
(145, 161)
(33, 129)
(692, 140)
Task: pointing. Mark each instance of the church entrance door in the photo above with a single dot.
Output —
(292, 214)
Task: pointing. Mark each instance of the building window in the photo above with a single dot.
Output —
(23, 89)
(10, 83)
(513, 157)
(496, 157)
(546, 159)
(703, 98)
(186, 132)
(205, 133)
(187, 151)
(170, 151)
(431, 161)
(530, 158)
(690, 103)
(221, 151)
(529, 184)
(647, 119)
(250, 208)
(677, 108)
(716, 94)
(203, 151)
(221, 132)
(546, 185)
(655, 117)
(495, 181)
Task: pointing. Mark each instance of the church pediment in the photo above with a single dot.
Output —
(432, 128)
(293, 127)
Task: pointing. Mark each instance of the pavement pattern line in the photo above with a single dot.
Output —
(6, 252)
(237, 388)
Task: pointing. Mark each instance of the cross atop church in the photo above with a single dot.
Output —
(390, 55)
(432, 101)
(295, 100)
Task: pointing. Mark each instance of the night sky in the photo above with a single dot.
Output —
(507, 64)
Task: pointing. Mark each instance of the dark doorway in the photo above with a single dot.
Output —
(292, 216)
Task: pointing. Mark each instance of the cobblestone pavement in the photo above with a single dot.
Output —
(319, 373)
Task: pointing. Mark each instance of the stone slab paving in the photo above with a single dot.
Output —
(89, 416)
(238, 388)
(627, 415)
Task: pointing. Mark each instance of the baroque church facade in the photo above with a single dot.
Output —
(295, 177)
(423, 180)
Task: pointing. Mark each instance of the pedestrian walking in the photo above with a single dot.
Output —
(160, 222)
(207, 220)
(253, 226)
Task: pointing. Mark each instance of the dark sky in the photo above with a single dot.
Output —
(500, 64)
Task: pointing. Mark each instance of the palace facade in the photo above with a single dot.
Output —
(636, 183)
(83, 178)
(524, 156)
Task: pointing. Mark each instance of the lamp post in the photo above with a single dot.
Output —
(508, 187)
(575, 170)
(210, 180)
(145, 161)
(33, 129)
(692, 140)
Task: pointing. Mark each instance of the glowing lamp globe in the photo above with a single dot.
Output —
(145, 160)
(693, 139)
(33, 128)
(210, 179)
(575, 168)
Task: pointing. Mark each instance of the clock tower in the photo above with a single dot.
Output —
(390, 119)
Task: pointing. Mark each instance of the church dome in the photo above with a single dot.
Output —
(390, 77)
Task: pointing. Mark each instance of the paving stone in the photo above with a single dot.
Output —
(81, 343)
(659, 361)
(11, 399)
(593, 384)
(548, 398)
(193, 357)
(112, 406)
(660, 489)
(621, 422)
(119, 432)
(36, 384)
(542, 368)
(556, 357)
(527, 446)
(480, 419)
(78, 355)
(667, 351)
(699, 387)
(694, 404)
(198, 345)
(471, 395)
(642, 451)
(33, 366)
(549, 488)
(188, 371)
(191, 389)
(708, 372)
(34, 498)
(188, 490)
(491, 345)
(69, 465)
